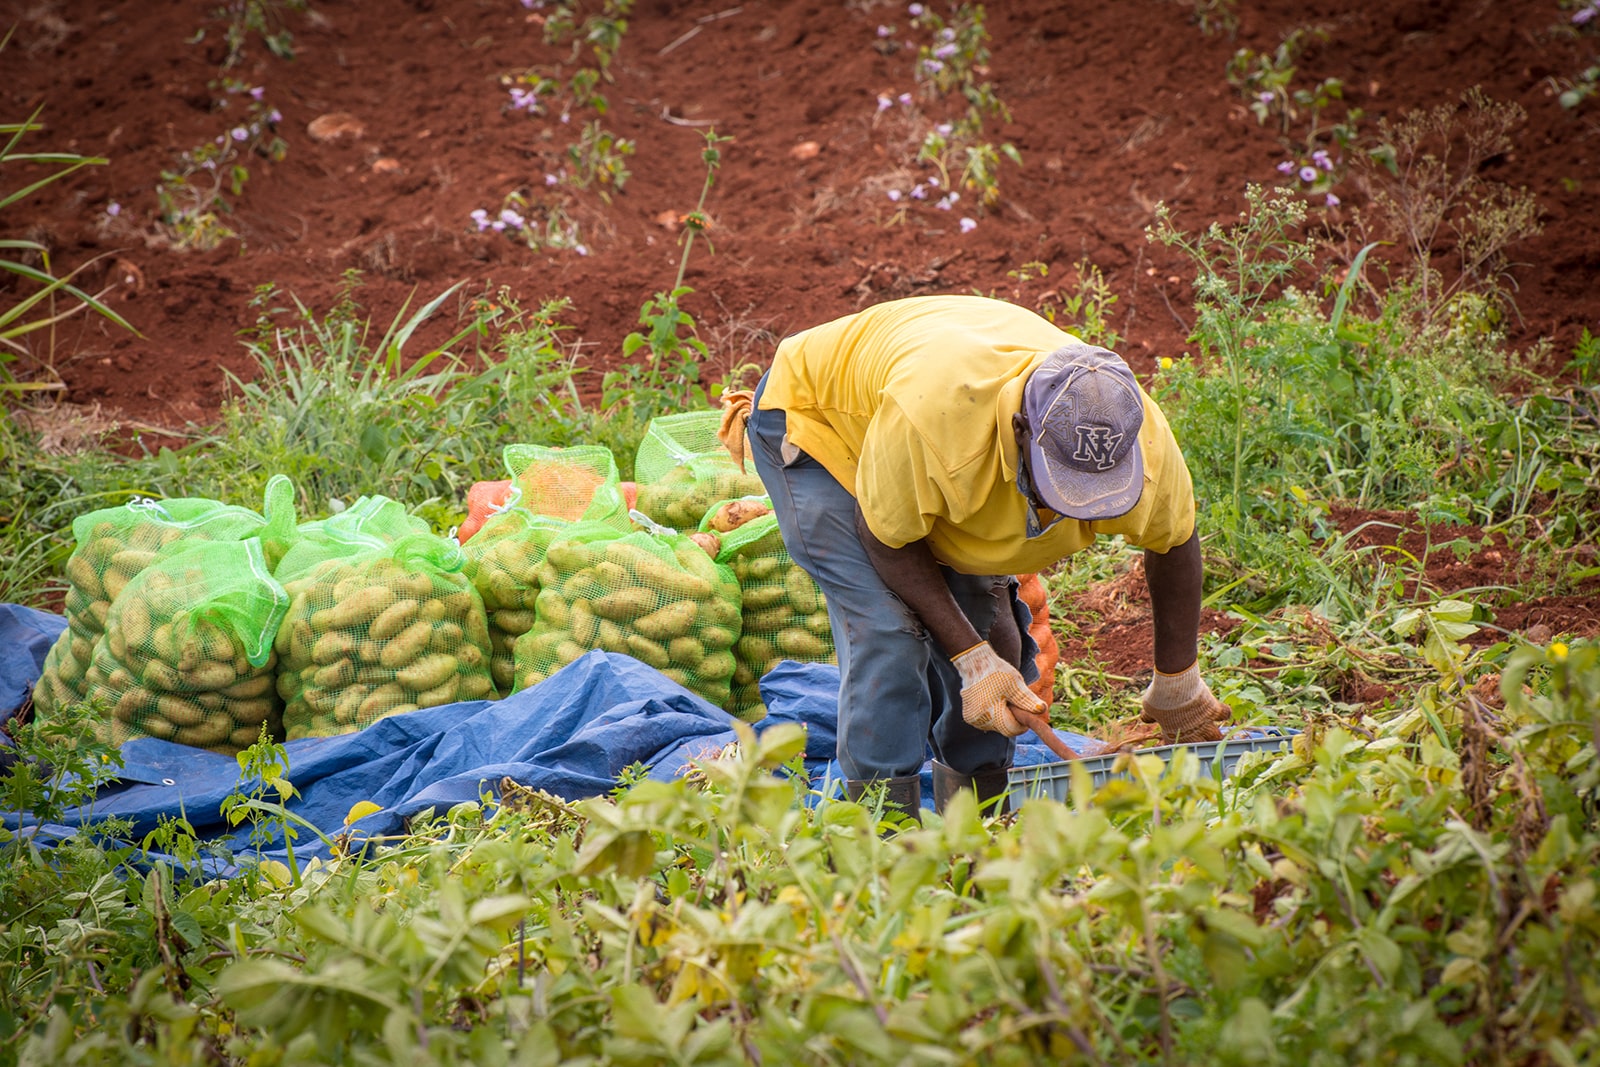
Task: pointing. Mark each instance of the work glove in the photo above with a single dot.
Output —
(1184, 707)
(989, 688)
(736, 407)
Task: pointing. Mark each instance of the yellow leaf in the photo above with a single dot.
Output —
(361, 810)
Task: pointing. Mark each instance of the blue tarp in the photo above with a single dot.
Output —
(571, 735)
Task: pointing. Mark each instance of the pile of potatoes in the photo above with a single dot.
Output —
(113, 546)
(682, 496)
(656, 597)
(378, 634)
(783, 614)
(187, 651)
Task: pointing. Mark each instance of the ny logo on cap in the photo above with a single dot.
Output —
(1097, 445)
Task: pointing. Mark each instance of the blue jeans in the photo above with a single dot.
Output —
(898, 692)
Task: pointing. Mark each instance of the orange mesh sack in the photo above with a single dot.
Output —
(483, 499)
(113, 546)
(1031, 591)
(653, 594)
(187, 651)
(684, 471)
(389, 630)
(502, 561)
(571, 484)
(783, 614)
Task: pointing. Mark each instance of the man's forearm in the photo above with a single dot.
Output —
(913, 575)
(1175, 578)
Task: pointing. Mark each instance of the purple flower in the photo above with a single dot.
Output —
(258, 92)
(905, 99)
(947, 34)
(894, 195)
(274, 115)
(1333, 201)
(497, 226)
(582, 250)
(932, 66)
(934, 181)
(1264, 97)
(524, 99)
(945, 51)
(884, 103)
(968, 225)
(1286, 167)
(919, 192)
(481, 217)
(947, 202)
(551, 179)
(916, 10)
(1320, 158)
(944, 129)
(113, 209)
(884, 31)
(1308, 174)
(1585, 14)
(239, 133)
(511, 218)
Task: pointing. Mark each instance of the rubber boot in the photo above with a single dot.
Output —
(991, 786)
(901, 794)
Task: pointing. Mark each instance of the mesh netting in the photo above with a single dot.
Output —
(683, 470)
(1031, 591)
(392, 629)
(783, 614)
(483, 499)
(113, 546)
(187, 651)
(372, 522)
(572, 484)
(502, 561)
(655, 596)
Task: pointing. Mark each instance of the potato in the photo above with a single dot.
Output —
(428, 671)
(735, 513)
(408, 646)
(393, 619)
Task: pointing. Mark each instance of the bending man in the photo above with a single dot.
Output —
(922, 452)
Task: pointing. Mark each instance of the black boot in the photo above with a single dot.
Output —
(991, 787)
(899, 794)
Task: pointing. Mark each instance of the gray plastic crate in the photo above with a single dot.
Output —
(1054, 780)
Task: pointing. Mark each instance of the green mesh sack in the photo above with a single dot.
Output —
(683, 470)
(392, 629)
(113, 546)
(187, 651)
(653, 594)
(572, 484)
(783, 615)
(502, 559)
(372, 522)
(61, 677)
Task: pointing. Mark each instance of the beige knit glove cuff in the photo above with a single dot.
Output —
(1184, 707)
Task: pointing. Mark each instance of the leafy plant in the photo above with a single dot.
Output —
(671, 377)
(264, 18)
(1428, 193)
(1241, 272)
(194, 195)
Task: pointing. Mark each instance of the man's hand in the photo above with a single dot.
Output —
(1184, 707)
(989, 688)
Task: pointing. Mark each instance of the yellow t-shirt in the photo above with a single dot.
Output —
(909, 404)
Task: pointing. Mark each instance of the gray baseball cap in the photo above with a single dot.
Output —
(1084, 413)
